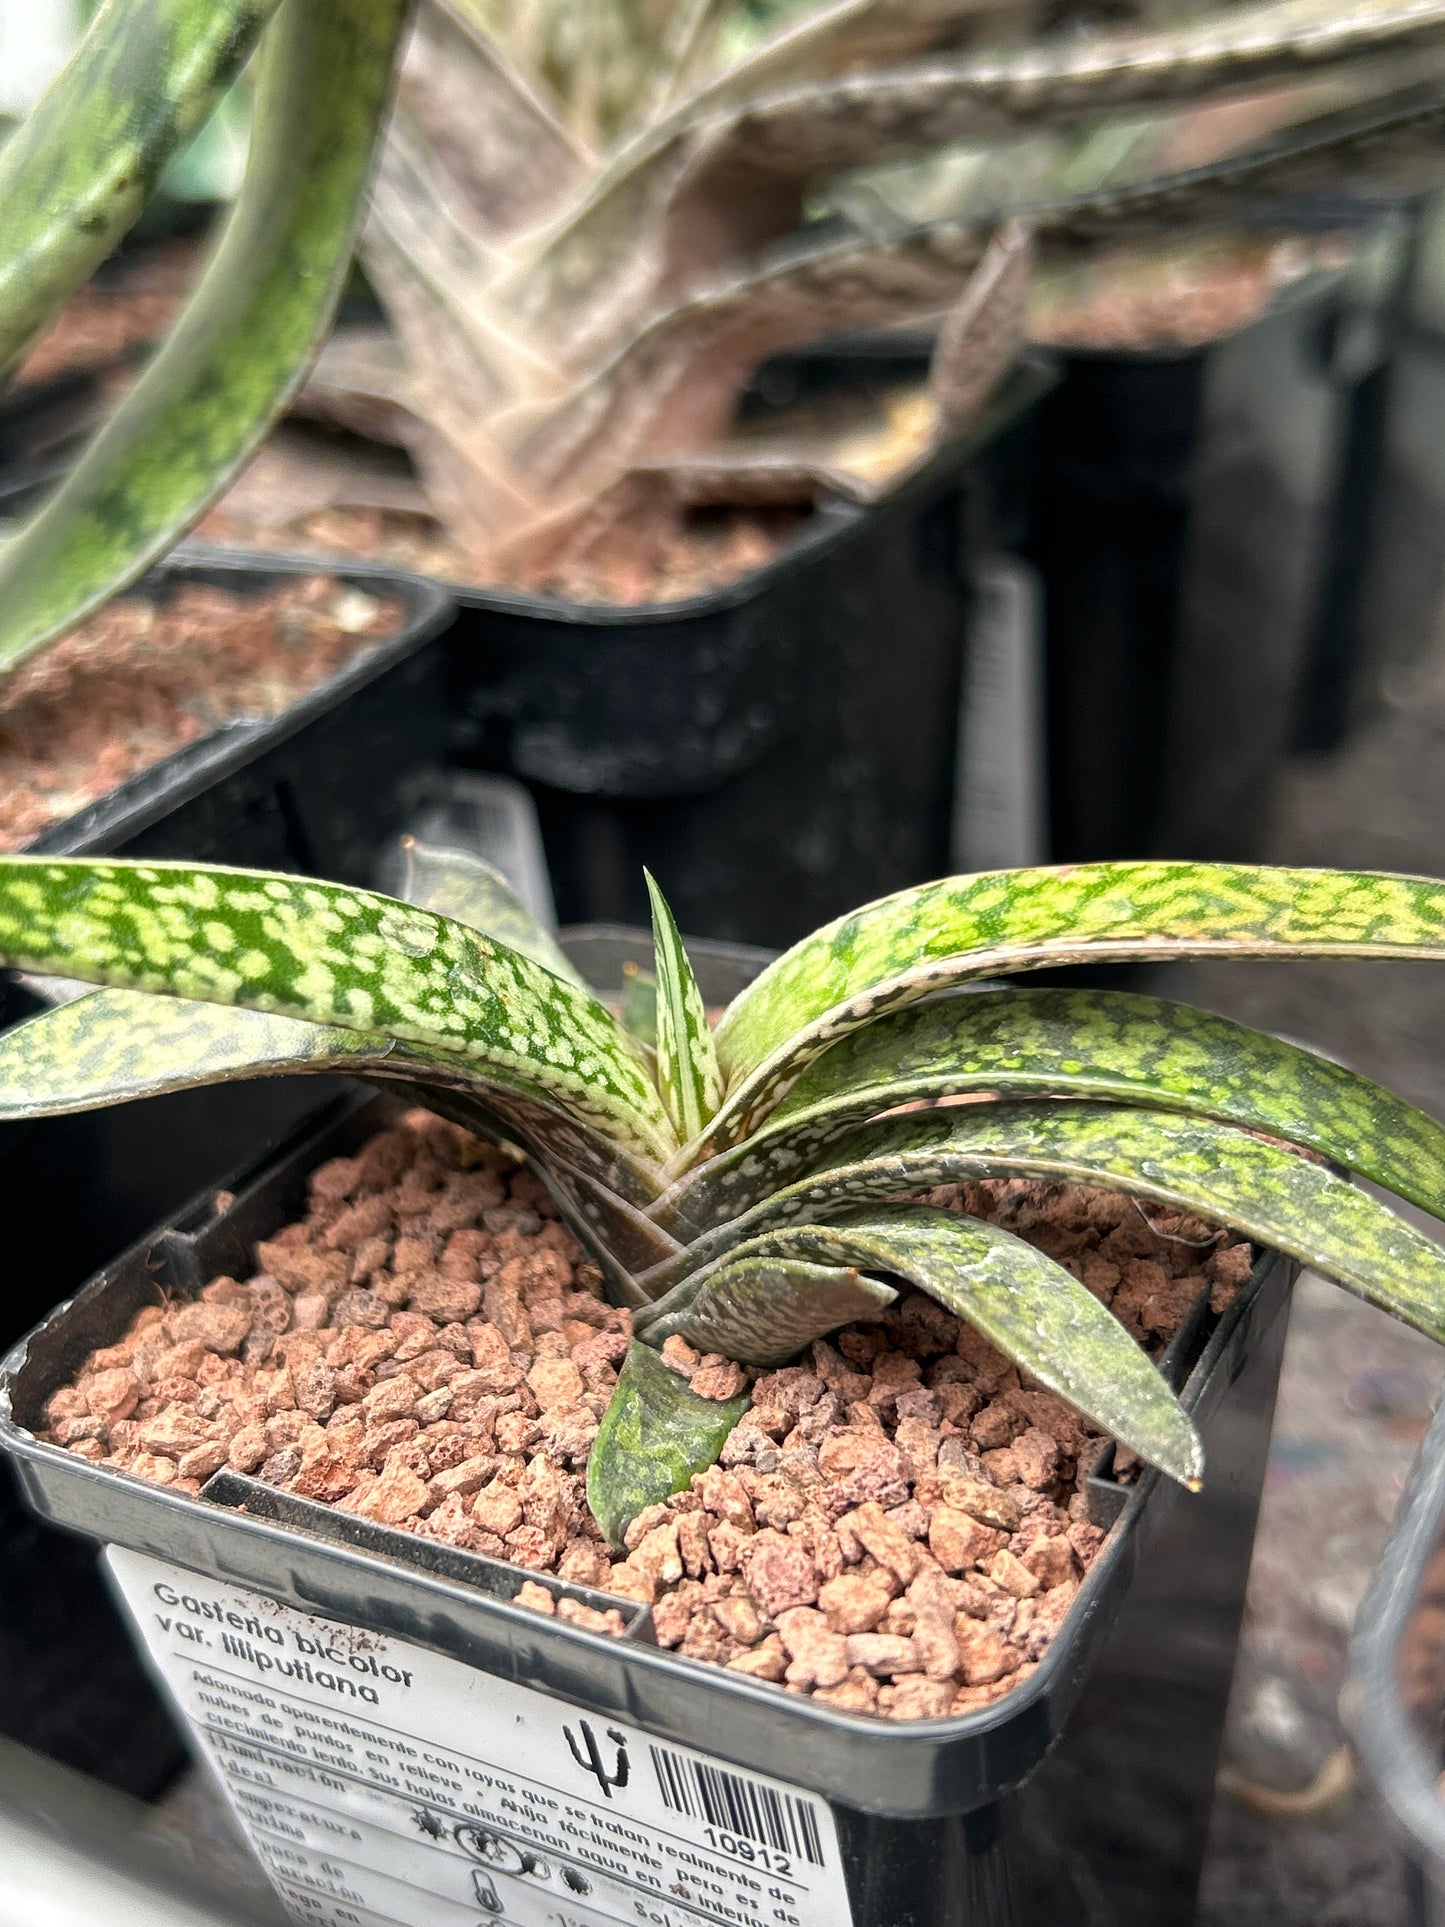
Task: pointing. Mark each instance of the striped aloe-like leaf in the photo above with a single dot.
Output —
(743, 1190)
(248, 334)
(75, 175)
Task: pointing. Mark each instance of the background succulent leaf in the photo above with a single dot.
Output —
(333, 955)
(863, 116)
(687, 1070)
(1080, 1043)
(1037, 1314)
(242, 347)
(456, 884)
(1272, 1193)
(764, 1310)
(76, 174)
(904, 947)
(655, 1434)
(1400, 126)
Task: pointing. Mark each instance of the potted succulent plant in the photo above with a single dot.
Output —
(739, 1191)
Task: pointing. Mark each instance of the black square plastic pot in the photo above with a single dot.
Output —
(1083, 1796)
(1180, 504)
(776, 750)
(1398, 1744)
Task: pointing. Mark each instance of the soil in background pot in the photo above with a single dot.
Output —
(704, 550)
(1172, 297)
(141, 679)
(897, 1527)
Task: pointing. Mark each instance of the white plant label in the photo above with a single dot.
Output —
(383, 1785)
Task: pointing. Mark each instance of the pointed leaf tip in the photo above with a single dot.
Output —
(687, 1065)
(1032, 1309)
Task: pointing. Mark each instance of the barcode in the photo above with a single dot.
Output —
(738, 1805)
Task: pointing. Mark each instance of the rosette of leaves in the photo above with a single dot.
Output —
(588, 224)
(747, 1185)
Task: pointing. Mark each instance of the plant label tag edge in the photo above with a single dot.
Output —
(384, 1785)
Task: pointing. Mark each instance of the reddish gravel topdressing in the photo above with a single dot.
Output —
(896, 1527)
(139, 680)
(691, 556)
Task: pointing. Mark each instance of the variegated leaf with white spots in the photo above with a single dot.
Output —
(1037, 1313)
(295, 947)
(905, 947)
(1275, 1195)
(1072, 1043)
(459, 885)
(111, 1046)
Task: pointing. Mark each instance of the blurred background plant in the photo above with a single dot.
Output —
(37, 36)
(588, 225)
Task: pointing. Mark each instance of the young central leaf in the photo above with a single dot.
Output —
(687, 1066)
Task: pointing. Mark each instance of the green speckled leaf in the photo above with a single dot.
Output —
(655, 1434)
(687, 1068)
(1031, 1308)
(764, 1311)
(116, 1045)
(1088, 1044)
(333, 955)
(76, 174)
(242, 347)
(907, 946)
(456, 884)
(1273, 1194)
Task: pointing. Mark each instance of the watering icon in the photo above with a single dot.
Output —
(486, 1893)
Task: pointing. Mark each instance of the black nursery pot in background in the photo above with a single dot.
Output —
(1082, 1796)
(1180, 502)
(775, 750)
